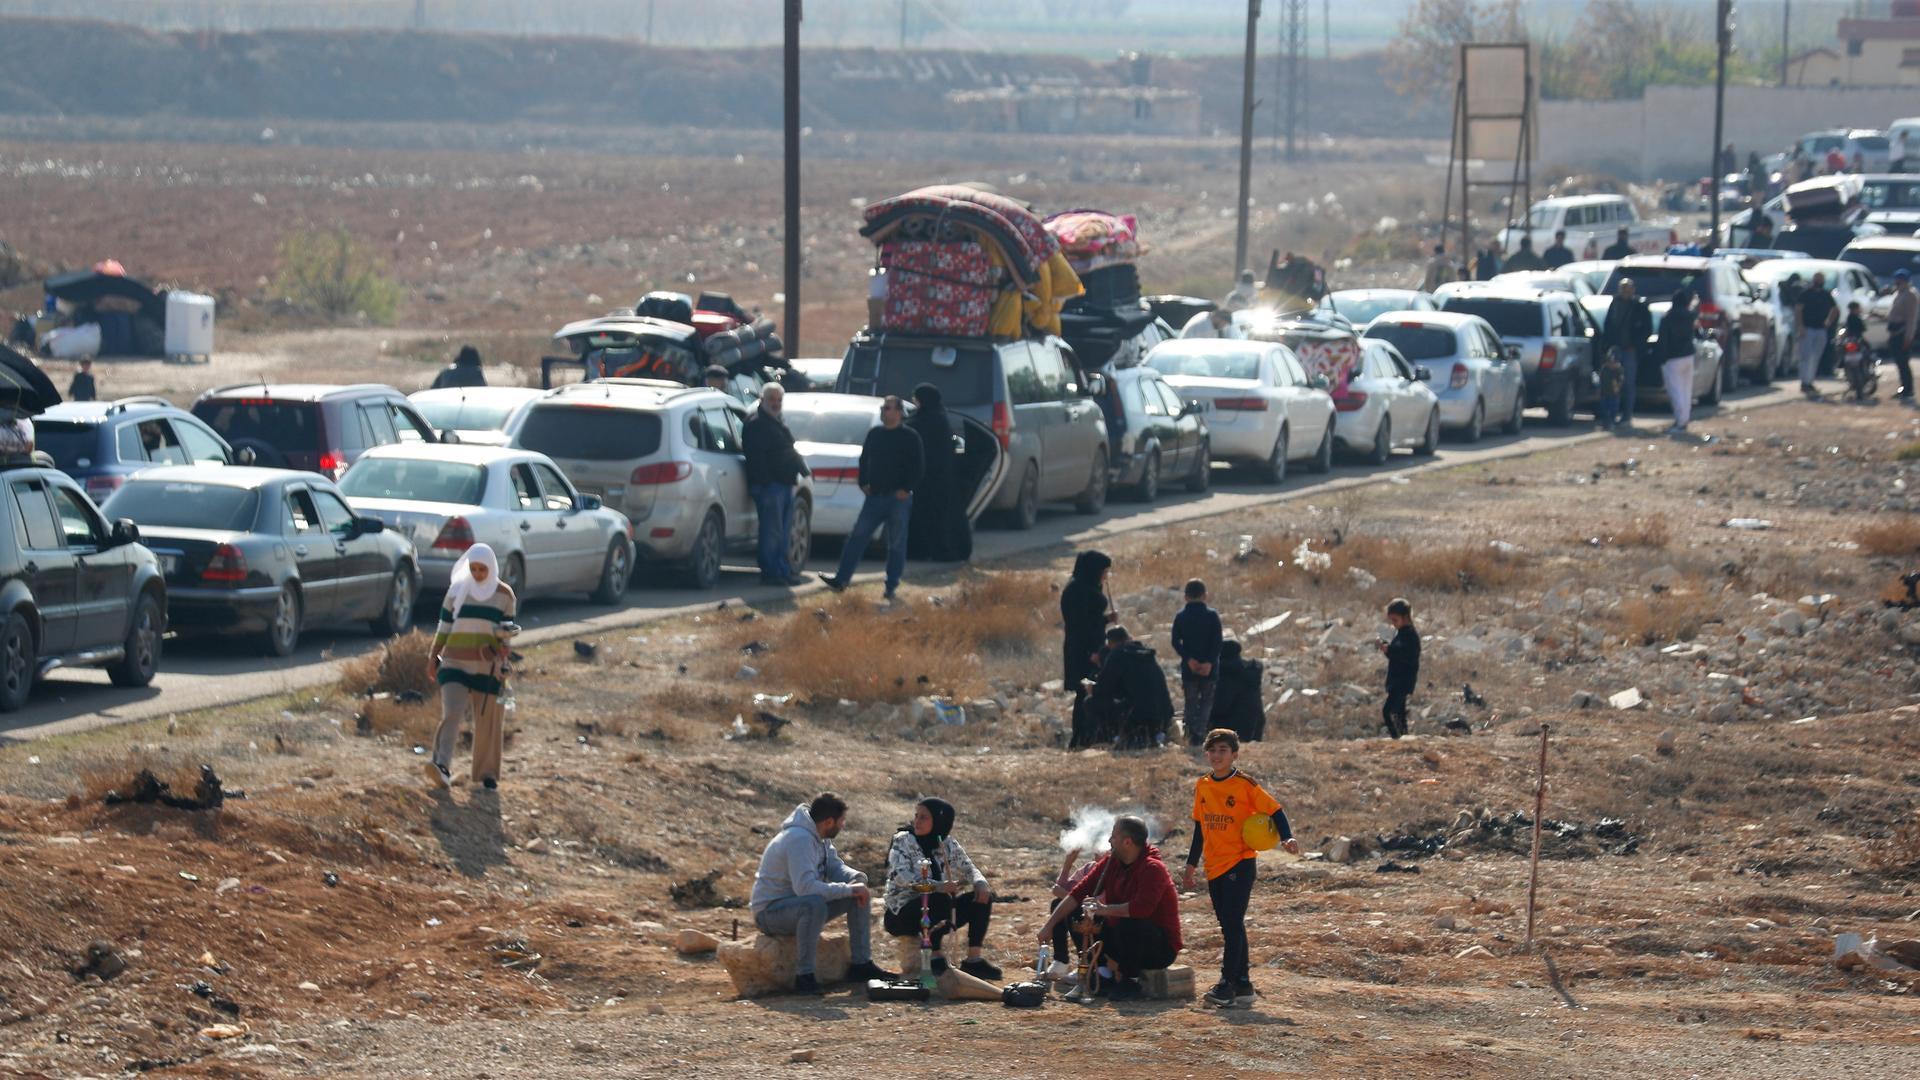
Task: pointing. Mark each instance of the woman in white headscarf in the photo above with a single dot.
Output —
(468, 661)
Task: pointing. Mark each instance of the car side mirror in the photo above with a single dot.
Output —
(449, 436)
(245, 456)
(1096, 384)
(1422, 374)
(1192, 408)
(1321, 382)
(124, 532)
(367, 526)
(586, 502)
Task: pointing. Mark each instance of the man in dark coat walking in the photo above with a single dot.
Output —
(1629, 326)
(890, 469)
(774, 468)
(1085, 612)
(938, 529)
(464, 371)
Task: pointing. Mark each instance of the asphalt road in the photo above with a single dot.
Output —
(200, 674)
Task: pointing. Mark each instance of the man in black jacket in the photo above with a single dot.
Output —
(774, 467)
(1197, 635)
(891, 464)
(1236, 704)
(1130, 700)
(1629, 325)
(1557, 255)
(464, 371)
(1620, 248)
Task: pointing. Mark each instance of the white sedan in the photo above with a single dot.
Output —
(1387, 405)
(447, 497)
(1260, 407)
(1362, 306)
(828, 431)
(484, 415)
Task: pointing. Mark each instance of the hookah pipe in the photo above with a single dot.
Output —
(1092, 949)
(925, 887)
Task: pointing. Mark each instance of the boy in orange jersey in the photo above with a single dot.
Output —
(1223, 800)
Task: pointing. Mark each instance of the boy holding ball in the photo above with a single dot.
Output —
(1223, 802)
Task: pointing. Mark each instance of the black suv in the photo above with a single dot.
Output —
(74, 590)
(313, 427)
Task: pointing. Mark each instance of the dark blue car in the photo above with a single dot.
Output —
(101, 443)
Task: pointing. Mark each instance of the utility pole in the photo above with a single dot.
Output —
(1246, 140)
(1786, 37)
(419, 14)
(793, 176)
(1293, 19)
(903, 25)
(1723, 32)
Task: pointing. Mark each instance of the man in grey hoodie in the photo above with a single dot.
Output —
(801, 884)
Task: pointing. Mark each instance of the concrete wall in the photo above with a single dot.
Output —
(1669, 132)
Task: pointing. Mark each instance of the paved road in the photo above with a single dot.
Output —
(205, 673)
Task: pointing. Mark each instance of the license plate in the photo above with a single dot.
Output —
(614, 493)
(169, 564)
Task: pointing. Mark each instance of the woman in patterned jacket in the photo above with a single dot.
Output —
(961, 899)
(468, 661)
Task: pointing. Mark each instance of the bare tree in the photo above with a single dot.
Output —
(1429, 39)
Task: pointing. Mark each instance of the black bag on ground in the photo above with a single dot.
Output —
(1025, 995)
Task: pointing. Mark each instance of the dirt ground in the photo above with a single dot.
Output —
(1702, 849)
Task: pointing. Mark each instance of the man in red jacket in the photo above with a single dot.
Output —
(1130, 891)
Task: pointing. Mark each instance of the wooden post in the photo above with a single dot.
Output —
(1539, 809)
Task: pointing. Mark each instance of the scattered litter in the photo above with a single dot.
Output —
(1505, 548)
(330, 879)
(1391, 867)
(1361, 578)
(1267, 625)
(225, 1031)
(225, 885)
(1313, 562)
(755, 648)
(747, 672)
(208, 794)
(1473, 951)
(1746, 523)
(586, 650)
(1244, 549)
(1467, 695)
(433, 921)
(1627, 699)
(184, 876)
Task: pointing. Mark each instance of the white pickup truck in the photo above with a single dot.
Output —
(1592, 223)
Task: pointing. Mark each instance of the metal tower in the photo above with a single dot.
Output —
(1293, 48)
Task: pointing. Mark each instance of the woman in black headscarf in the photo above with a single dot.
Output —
(960, 898)
(1085, 613)
(1675, 346)
(937, 525)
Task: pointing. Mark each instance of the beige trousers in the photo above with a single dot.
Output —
(457, 704)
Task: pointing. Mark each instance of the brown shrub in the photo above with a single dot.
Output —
(117, 774)
(400, 665)
(1652, 531)
(1898, 853)
(1899, 535)
(1676, 615)
(413, 722)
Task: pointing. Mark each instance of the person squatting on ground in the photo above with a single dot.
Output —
(1129, 907)
(1236, 702)
(1223, 800)
(774, 468)
(891, 463)
(964, 902)
(468, 662)
(1129, 705)
(1085, 613)
(802, 884)
(1197, 636)
(1675, 349)
(1403, 665)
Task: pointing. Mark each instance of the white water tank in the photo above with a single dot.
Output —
(189, 324)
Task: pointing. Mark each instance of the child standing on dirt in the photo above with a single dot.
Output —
(1403, 665)
(1223, 800)
(1613, 378)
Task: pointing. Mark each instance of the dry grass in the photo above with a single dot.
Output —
(117, 774)
(1889, 535)
(1652, 531)
(399, 666)
(1898, 853)
(1908, 452)
(414, 721)
(1676, 615)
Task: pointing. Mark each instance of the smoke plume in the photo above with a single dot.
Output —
(1091, 825)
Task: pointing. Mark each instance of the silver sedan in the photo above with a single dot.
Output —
(444, 498)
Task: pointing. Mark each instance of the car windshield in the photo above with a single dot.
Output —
(178, 504)
(1891, 194)
(71, 444)
(1653, 283)
(415, 480)
(284, 425)
(879, 370)
(1510, 318)
(829, 425)
(1883, 261)
(1540, 217)
(590, 433)
(1360, 310)
(1824, 143)
(1870, 142)
(1416, 342)
(465, 415)
(1213, 364)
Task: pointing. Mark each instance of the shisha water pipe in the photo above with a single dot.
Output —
(925, 887)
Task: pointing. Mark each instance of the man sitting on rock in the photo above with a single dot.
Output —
(1129, 896)
(801, 884)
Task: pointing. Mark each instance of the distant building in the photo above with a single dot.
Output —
(1871, 52)
(1079, 110)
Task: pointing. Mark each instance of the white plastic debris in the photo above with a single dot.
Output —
(1627, 699)
(1747, 523)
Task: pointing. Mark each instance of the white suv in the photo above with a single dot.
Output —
(670, 458)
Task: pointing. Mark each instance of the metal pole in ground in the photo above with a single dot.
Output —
(1246, 142)
(1723, 34)
(793, 177)
(1539, 810)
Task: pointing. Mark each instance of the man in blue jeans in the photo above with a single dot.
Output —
(891, 464)
(1629, 325)
(802, 884)
(774, 467)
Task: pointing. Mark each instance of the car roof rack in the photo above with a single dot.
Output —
(120, 405)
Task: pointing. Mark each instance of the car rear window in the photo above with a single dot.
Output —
(1215, 364)
(590, 433)
(1509, 318)
(895, 368)
(419, 481)
(1416, 342)
(181, 505)
(284, 425)
(829, 426)
(1654, 284)
(73, 445)
(466, 415)
(1882, 262)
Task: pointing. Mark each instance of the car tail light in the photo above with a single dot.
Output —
(1549, 356)
(99, 487)
(851, 472)
(333, 463)
(456, 536)
(661, 472)
(1459, 377)
(227, 565)
(1240, 404)
(1354, 401)
(1003, 424)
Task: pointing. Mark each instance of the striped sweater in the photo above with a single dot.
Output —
(470, 646)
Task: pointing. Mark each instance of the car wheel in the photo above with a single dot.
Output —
(142, 658)
(800, 540)
(283, 629)
(18, 662)
(1478, 425)
(614, 573)
(1202, 476)
(397, 616)
(1559, 413)
(515, 575)
(703, 565)
(1323, 457)
(1026, 511)
(1382, 442)
(1432, 442)
(1149, 486)
(1274, 470)
(1093, 498)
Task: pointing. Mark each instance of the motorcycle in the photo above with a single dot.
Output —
(1861, 365)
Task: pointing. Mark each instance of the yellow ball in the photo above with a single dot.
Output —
(1260, 833)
